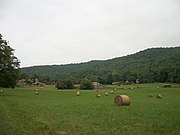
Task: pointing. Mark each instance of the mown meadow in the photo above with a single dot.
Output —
(61, 112)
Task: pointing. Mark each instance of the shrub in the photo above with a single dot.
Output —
(65, 84)
(86, 84)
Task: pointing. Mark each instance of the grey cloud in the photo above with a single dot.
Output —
(67, 31)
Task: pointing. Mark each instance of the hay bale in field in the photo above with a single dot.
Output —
(122, 100)
(151, 95)
(112, 91)
(106, 94)
(78, 93)
(159, 96)
(37, 92)
(1, 91)
(98, 96)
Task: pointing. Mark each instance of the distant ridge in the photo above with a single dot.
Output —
(150, 65)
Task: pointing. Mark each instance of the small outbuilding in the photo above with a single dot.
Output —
(76, 86)
(115, 83)
(96, 85)
(166, 86)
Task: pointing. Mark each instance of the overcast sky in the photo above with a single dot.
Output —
(44, 32)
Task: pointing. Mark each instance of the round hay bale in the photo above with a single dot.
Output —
(78, 93)
(37, 92)
(98, 96)
(159, 96)
(106, 94)
(112, 91)
(122, 100)
(1, 91)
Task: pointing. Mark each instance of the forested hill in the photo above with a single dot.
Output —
(150, 65)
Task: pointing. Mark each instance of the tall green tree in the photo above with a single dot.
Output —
(9, 65)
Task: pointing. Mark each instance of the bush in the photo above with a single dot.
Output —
(86, 84)
(65, 84)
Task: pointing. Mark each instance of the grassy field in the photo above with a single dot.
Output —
(54, 112)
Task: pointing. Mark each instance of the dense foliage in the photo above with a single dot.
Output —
(150, 65)
(86, 84)
(65, 84)
(9, 65)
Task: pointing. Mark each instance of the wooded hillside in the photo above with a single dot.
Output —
(150, 65)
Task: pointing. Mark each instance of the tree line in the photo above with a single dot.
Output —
(147, 66)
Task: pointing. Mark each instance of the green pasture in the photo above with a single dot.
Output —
(61, 112)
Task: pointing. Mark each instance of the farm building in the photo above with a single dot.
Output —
(96, 84)
(115, 83)
(29, 82)
(23, 83)
(166, 86)
(76, 86)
